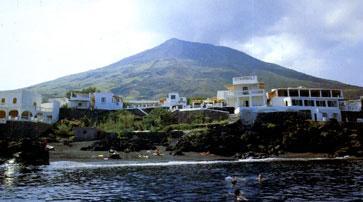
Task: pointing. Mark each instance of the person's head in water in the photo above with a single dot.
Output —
(238, 196)
(259, 178)
(234, 181)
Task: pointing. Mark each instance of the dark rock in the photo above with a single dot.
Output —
(114, 155)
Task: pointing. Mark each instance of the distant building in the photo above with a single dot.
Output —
(79, 101)
(244, 92)
(106, 101)
(49, 112)
(132, 104)
(207, 103)
(19, 104)
(24, 105)
(323, 104)
(63, 101)
(174, 101)
(352, 105)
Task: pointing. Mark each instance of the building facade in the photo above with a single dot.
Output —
(174, 101)
(244, 92)
(19, 104)
(106, 101)
(79, 101)
(24, 105)
(323, 104)
(133, 104)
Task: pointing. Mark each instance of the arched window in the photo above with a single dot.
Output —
(2, 114)
(13, 114)
(26, 115)
(15, 100)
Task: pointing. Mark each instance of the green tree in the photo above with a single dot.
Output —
(83, 91)
(158, 118)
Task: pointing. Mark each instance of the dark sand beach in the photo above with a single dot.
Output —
(63, 152)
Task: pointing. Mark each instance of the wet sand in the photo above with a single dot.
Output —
(74, 153)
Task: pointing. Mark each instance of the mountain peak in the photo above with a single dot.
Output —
(191, 68)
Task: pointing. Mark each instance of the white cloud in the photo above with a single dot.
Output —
(45, 41)
(283, 49)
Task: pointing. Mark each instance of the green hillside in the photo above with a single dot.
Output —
(192, 69)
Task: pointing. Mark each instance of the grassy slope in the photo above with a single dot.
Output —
(189, 68)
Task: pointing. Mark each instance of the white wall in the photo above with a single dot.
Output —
(105, 101)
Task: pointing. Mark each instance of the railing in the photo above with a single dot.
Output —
(245, 80)
(245, 93)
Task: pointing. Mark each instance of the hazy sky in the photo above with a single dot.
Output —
(43, 40)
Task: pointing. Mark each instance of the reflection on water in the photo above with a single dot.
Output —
(180, 181)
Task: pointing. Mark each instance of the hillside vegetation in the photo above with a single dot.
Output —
(192, 69)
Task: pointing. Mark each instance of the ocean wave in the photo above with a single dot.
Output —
(76, 165)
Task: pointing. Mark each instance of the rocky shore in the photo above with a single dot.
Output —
(272, 135)
(26, 142)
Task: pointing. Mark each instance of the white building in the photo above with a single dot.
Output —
(245, 92)
(323, 104)
(174, 101)
(49, 112)
(132, 104)
(79, 101)
(63, 101)
(106, 101)
(353, 105)
(24, 105)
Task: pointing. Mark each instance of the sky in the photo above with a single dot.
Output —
(41, 40)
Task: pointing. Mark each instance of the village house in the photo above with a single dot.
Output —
(24, 105)
(106, 101)
(322, 104)
(353, 105)
(174, 102)
(207, 103)
(244, 92)
(248, 97)
(141, 104)
(79, 101)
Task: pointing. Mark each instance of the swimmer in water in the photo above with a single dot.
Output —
(260, 178)
(234, 181)
(238, 196)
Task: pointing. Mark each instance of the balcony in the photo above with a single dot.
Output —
(79, 97)
(246, 93)
(245, 80)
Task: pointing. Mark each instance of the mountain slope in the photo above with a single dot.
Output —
(192, 69)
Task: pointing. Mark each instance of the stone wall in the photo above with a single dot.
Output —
(20, 129)
(206, 115)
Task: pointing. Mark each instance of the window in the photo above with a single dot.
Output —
(282, 93)
(293, 93)
(309, 103)
(320, 103)
(297, 103)
(325, 93)
(172, 97)
(2, 100)
(80, 104)
(304, 93)
(315, 93)
(335, 116)
(15, 100)
(245, 88)
(332, 103)
(336, 93)
(103, 99)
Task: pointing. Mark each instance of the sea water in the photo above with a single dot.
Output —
(291, 180)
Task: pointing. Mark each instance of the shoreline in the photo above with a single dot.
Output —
(74, 154)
